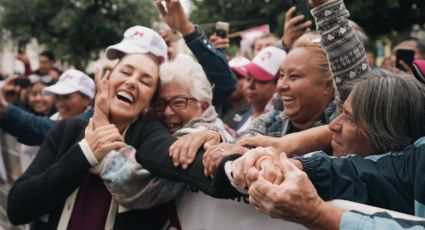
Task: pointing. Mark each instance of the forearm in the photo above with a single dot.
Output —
(328, 218)
(310, 140)
(132, 185)
(27, 127)
(215, 65)
(347, 56)
(356, 179)
(358, 221)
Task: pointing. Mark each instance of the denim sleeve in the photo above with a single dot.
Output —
(30, 129)
(359, 221)
(215, 65)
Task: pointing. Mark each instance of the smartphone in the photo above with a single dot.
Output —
(23, 82)
(303, 8)
(418, 69)
(21, 47)
(406, 55)
(222, 29)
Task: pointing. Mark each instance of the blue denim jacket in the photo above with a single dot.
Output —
(29, 128)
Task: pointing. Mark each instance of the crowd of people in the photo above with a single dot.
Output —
(200, 140)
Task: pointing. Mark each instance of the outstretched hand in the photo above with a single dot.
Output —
(184, 150)
(214, 154)
(295, 199)
(173, 14)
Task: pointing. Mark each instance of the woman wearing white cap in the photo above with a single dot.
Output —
(73, 93)
(72, 98)
(58, 191)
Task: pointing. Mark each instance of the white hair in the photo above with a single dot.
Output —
(185, 70)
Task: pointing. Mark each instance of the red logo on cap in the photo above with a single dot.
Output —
(138, 34)
(266, 55)
(69, 77)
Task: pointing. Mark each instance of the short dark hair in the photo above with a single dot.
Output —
(49, 54)
(420, 45)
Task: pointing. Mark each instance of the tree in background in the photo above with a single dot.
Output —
(378, 17)
(74, 29)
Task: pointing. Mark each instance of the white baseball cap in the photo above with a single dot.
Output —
(237, 63)
(72, 81)
(266, 64)
(139, 40)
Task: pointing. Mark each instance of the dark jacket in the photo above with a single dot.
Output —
(60, 168)
(215, 65)
(393, 181)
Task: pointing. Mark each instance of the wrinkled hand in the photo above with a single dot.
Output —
(295, 199)
(294, 27)
(216, 153)
(219, 42)
(103, 139)
(102, 102)
(258, 161)
(173, 14)
(184, 150)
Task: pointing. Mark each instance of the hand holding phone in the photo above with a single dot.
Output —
(405, 55)
(222, 29)
(294, 26)
(303, 8)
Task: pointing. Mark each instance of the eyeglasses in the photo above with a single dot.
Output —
(46, 79)
(176, 103)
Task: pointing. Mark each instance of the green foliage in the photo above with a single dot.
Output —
(74, 29)
(242, 14)
(378, 17)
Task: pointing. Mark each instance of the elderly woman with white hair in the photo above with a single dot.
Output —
(184, 106)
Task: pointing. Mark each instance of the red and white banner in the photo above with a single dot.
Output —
(250, 35)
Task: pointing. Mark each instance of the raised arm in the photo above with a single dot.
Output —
(212, 60)
(153, 142)
(347, 56)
